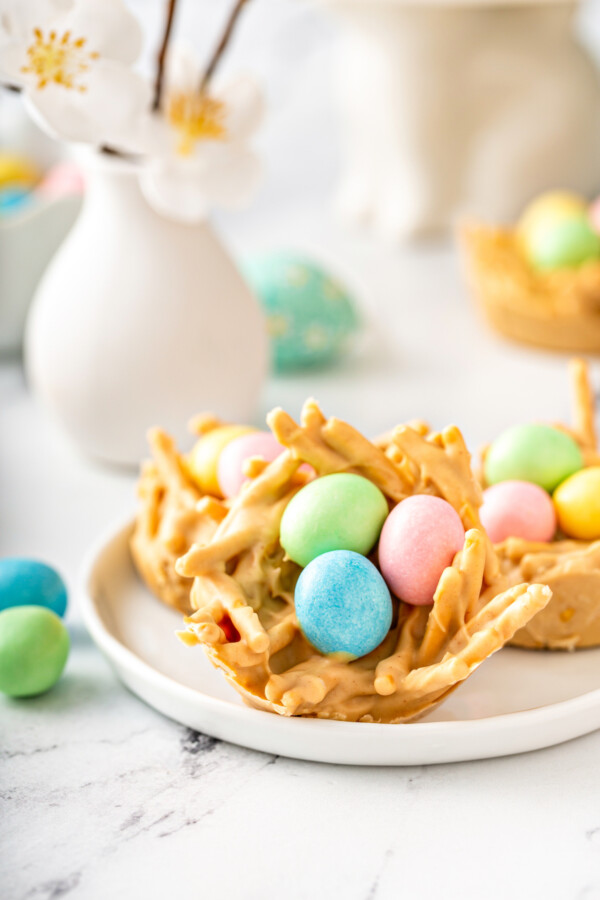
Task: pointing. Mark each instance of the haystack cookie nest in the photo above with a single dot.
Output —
(174, 514)
(570, 568)
(243, 583)
(558, 309)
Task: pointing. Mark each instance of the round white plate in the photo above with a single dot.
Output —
(517, 701)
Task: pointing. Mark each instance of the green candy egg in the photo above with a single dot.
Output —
(34, 645)
(562, 243)
(335, 512)
(310, 315)
(536, 453)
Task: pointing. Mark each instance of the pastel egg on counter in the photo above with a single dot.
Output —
(17, 171)
(336, 512)
(420, 538)
(343, 604)
(552, 206)
(230, 469)
(594, 215)
(61, 180)
(517, 509)
(310, 315)
(34, 646)
(577, 504)
(13, 200)
(29, 582)
(537, 453)
(203, 461)
(567, 243)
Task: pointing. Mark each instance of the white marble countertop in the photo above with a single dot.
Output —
(102, 797)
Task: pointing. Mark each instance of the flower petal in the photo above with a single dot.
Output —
(155, 137)
(59, 118)
(186, 190)
(245, 106)
(117, 97)
(20, 17)
(182, 69)
(106, 112)
(8, 24)
(13, 57)
(232, 176)
(109, 27)
(175, 190)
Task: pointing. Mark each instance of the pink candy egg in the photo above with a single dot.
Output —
(62, 179)
(230, 471)
(419, 539)
(594, 215)
(518, 509)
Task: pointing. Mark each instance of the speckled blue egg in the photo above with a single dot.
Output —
(28, 582)
(343, 604)
(310, 315)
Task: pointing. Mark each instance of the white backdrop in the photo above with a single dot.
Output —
(288, 44)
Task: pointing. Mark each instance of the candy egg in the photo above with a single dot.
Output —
(577, 503)
(566, 243)
(517, 509)
(13, 200)
(419, 540)
(17, 171)
(310, 315)
(28, 582)
(204, 459)
(551, 206)
(335, 512)
(34, 645)
(230, 469)
(61, 180)
(537, 453)
(343, 604)
(594, 215)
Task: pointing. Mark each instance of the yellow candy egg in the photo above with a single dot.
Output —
(204, 458)
(17, 171)
(549, 207)
(577, 504)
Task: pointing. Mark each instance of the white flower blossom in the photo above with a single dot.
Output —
(72, 59)
(196, 147)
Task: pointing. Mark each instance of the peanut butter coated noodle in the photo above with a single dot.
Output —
(571, 568)
(242, 592)
(558, 309)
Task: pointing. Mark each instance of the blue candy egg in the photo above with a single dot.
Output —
(12, 199)
(27, 582)
(343, 604)
(310, 315)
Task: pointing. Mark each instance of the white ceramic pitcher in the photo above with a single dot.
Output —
(461, 107)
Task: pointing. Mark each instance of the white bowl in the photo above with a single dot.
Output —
(517, 701)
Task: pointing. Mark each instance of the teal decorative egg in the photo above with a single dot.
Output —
(310, 315)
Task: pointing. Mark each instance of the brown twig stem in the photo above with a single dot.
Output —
(222, 45)
(162, 56)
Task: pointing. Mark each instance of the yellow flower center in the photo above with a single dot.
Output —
(195, 117)
(58, 58)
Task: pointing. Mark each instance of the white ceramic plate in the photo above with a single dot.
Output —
(517, 701)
